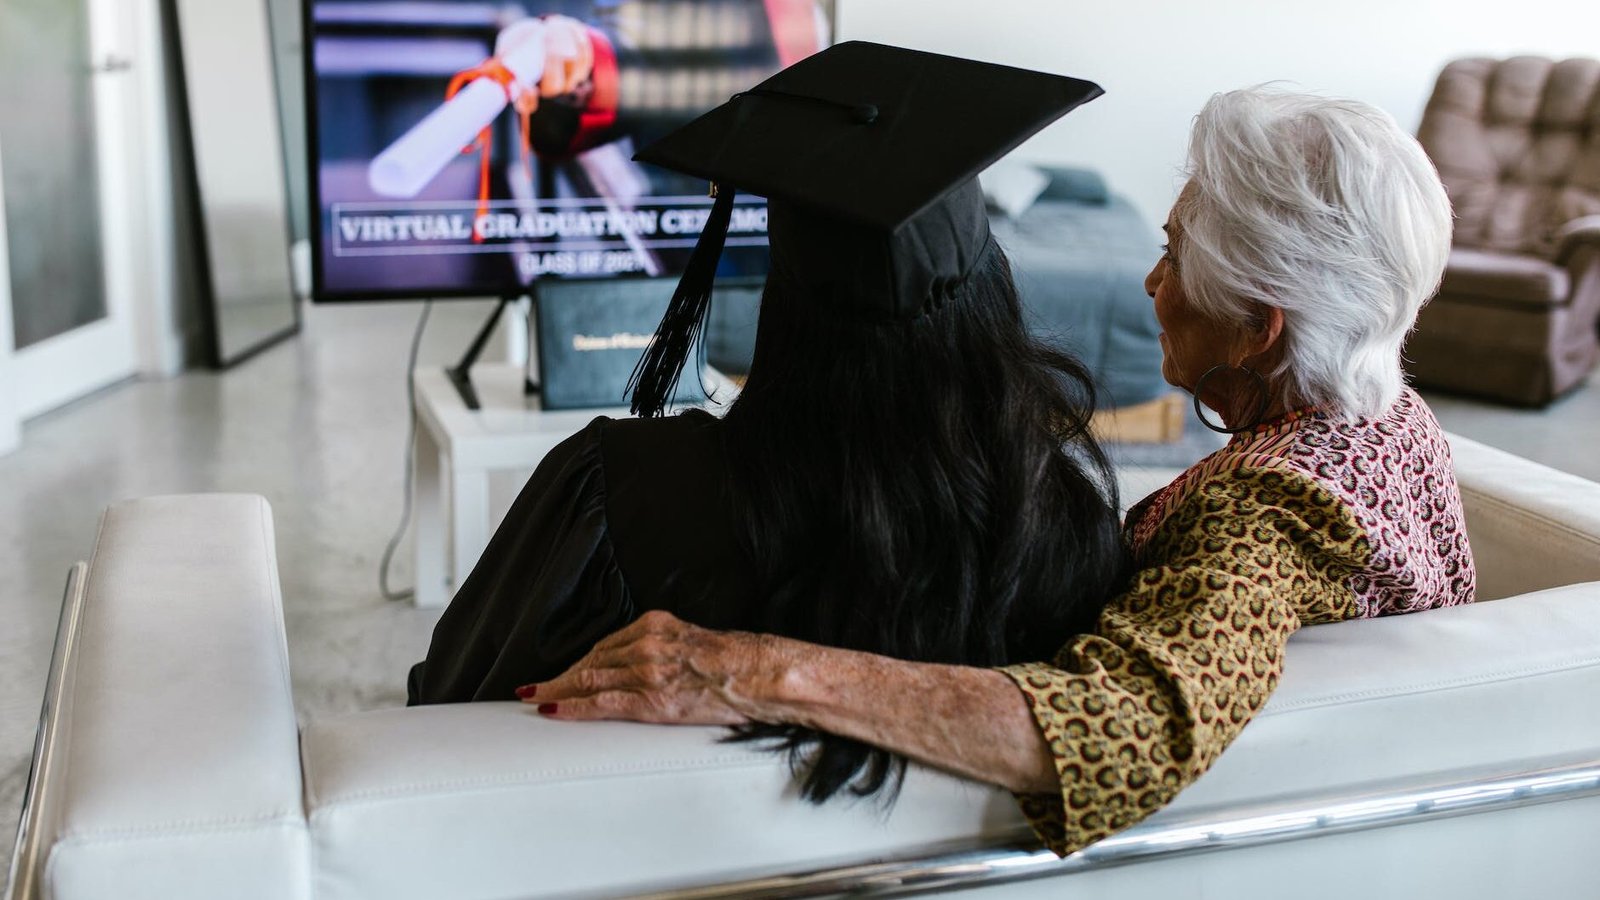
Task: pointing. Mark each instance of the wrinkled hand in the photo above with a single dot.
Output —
(568, 55)
(662, 669)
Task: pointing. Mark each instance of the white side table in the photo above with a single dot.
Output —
(511, 431)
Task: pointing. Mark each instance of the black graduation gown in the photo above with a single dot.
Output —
(625, 516)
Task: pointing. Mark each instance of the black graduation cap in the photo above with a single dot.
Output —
(868, 156)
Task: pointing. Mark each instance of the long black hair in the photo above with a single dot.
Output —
(928, 490)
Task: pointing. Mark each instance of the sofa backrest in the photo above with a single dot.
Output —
(1531, 527)
(1517, 143)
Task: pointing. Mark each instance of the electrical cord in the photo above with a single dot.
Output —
(411, 439)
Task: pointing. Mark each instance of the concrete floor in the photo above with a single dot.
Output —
(317, 425)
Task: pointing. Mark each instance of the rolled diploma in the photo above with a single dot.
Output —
(407, 165)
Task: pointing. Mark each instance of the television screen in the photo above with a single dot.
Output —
(469, 148)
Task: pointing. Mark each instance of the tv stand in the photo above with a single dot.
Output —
(460, 374)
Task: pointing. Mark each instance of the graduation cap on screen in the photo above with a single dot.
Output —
(868, 156)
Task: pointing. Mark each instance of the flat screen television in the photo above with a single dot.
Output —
(467, 149)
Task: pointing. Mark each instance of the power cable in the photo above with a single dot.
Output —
(411, 439)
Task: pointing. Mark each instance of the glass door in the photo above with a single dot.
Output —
(66, 156)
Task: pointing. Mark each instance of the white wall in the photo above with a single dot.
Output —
(1160, 59)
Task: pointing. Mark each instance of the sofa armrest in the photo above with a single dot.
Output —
(493, 800)
(1531, 527)
(1575, 236)
(173, 762)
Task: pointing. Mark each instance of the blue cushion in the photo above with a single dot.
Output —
(1080, 271)
(1074, 185)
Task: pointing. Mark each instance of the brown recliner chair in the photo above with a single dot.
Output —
(1517, 142)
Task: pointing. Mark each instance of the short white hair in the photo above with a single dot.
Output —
(1327, 210)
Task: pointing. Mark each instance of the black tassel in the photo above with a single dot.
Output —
(655, 379)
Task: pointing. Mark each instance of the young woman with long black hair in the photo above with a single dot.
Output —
(906, 470)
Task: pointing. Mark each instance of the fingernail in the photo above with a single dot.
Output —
(547, 709)
(526, 691)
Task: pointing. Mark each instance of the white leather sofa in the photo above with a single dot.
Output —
(1444, 754)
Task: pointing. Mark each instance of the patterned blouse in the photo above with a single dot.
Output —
(1305, 520)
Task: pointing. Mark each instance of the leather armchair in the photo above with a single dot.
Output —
(1517, 143)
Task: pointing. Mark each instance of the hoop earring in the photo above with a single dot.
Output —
(1261, 405)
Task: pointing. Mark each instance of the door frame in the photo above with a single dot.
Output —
(138, 335)
(10, 420)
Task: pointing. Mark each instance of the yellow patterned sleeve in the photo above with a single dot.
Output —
(1179, 663)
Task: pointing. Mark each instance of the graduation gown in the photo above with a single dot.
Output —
(623, 517)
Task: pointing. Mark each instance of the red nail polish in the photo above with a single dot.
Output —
(547, 709)
(526, 691)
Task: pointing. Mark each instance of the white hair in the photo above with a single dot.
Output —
(1327, 210)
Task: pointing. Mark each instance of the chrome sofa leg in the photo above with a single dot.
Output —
(967, 865)
(26, 861)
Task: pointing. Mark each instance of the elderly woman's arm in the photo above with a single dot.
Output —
(970, 721)
(1125, 717)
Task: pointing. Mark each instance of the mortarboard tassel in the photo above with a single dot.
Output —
(655, 379)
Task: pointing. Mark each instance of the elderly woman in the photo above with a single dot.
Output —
(1309, 234)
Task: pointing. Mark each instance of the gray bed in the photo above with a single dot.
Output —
(1080, 256)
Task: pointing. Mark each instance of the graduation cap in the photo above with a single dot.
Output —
(868, 156)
